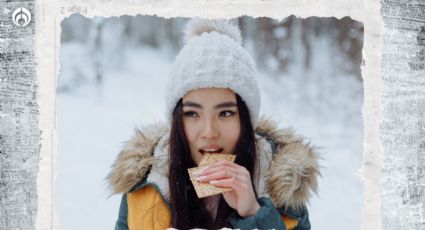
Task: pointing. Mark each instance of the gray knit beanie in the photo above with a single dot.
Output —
(213, 58)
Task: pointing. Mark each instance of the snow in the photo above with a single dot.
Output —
(323, 104)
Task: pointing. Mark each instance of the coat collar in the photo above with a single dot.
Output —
(288, 167)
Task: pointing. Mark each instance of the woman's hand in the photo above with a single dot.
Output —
(228, 174)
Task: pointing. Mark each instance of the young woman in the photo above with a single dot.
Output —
(213, 106)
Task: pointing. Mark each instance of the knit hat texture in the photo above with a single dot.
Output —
(213, 58)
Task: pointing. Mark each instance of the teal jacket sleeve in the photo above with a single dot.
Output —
(269, 217)
(300, 214)
(121, 223)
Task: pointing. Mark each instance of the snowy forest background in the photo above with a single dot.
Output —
(112, 77)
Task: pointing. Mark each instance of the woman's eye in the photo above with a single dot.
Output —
(190, 114)
(227, 113)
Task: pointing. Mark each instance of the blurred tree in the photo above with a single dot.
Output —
(279, 44)
(276, 45)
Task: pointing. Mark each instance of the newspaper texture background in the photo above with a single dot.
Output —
(403, 108)
(19, 111)
(402, 126)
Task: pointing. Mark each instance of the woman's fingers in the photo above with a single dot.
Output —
(225, 173)
(233, 182)
(222, 170)
(230, 175)
(222, 174)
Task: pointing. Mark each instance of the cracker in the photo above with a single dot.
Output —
(211, 158)
(206, 189)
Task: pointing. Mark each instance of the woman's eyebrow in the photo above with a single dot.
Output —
(218, 106)
(225, 105)
(192, 104)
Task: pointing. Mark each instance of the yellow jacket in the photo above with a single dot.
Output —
(147, 210)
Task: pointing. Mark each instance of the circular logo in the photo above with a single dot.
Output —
(21, 17)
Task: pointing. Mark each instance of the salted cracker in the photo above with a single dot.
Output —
(206, 189)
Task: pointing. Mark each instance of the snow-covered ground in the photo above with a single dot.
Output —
(93, 122)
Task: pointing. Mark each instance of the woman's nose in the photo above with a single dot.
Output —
(210, 130)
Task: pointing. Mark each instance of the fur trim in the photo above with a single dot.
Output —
(288, 175)
(197, 26)
(135, 158)
(293, 172)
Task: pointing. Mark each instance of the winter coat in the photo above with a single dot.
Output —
(287, 177)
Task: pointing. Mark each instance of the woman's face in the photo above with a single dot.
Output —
(211, 121)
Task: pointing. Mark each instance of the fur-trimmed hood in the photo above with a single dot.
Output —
(287, 168)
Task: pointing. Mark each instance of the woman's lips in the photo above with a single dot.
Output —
(211, 150)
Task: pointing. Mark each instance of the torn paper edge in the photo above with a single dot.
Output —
(50, 14)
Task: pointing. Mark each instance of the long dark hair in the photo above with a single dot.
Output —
(188, 211)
